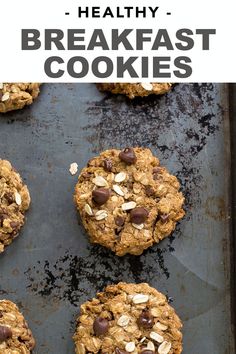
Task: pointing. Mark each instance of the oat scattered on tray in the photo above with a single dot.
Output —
(73, 168)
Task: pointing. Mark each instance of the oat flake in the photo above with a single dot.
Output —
(6, 96)
(88, 209)
(73, 168)
(18, 198)
(147, 86)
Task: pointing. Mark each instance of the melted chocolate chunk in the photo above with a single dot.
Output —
(100, 326)
(138, 215)
(119, 221)
(128, 156)
(86, 175)
(9, 197)
(146, 320)
(120, 351)
(101, 195)
(5, 333)
(156, 172)
(149, 191)
(107, 164)
(14, 225)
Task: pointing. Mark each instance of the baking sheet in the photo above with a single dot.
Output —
(51, 268)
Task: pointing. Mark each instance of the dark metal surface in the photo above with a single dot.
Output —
(51, 268)
(232, 111)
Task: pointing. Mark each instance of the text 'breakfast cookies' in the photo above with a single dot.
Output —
(17, 95)
(14, 201)
(127, 201)
(15, 335)
(128, 318)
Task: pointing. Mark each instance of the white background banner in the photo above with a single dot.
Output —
(157, 47)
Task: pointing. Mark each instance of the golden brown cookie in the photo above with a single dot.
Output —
(136, 90)
(128, 318)
(17, 95)
(15, 335)
(127, 201)
(14, 201)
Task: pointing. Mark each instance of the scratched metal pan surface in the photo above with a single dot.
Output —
(51, 268)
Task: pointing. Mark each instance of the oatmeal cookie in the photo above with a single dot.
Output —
(15, 335)
(14, 201)
(127, 201)
(128, 318)
(136, 90)
(17, 95)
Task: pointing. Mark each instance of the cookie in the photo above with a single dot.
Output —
(127, 201)
(15, 335)
(17, 95)
(136, 90)
(128, 318)
(14, 201)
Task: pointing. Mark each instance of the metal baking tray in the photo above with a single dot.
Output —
(51, 268)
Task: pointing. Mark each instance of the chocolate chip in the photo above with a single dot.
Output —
(164, 217)
(1, 314)
(147, 351)
(9, 197)
(100, 326)
(13, 234)
(146, 320)
(118, 234)
(101, 195)
(14, 225)
(1, 95)
(149, 191)
(120, 351)
(86, 175)
(2, 218)
(119, 221)
(5, 333)
(138, 215)
(128, 156)
(107, 164)
(156, 172)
